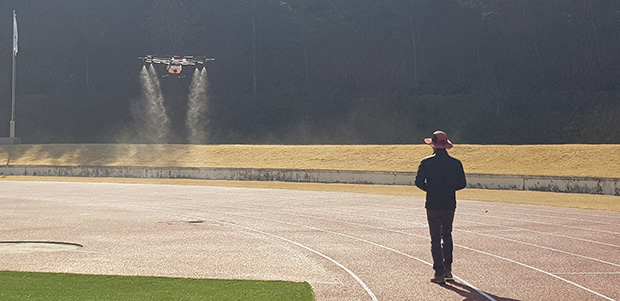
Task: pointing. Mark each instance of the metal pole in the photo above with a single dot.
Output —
(12, 130)
(13, 101)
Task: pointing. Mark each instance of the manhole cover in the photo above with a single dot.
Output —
(35, 246)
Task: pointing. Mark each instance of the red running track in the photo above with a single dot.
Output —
(347, 246)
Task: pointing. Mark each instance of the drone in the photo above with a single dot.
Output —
(174, 64)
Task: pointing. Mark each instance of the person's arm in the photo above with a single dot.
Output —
(461, 182)
(420, 177)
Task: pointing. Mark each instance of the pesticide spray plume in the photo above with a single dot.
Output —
(151, 111)
(197, 107)
(153, 121)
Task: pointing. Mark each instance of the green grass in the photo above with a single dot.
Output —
(51, 286)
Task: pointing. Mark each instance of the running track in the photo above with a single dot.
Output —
(347, 246)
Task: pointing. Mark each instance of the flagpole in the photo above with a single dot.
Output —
(12, 130)
(13, 102)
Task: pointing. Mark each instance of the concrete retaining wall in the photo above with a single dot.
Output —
(608, 186)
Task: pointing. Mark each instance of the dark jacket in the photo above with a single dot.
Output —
(440, 176)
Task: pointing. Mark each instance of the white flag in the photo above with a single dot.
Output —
(14, 34)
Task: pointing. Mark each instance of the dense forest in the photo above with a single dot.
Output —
(321, 71)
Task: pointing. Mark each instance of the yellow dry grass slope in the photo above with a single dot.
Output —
(565, 160)
(560, 160)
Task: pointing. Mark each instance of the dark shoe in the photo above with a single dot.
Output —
(447, 275)
(439, 279)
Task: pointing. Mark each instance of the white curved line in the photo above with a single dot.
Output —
(357, 278)
(543, 223)
(334, 233)
(457, 245)
(541, 215)
(539, 270)
(543, 247)
(512, 219)
(460, 230)
(507, 227)
(517, 241)
(360, 281)
(549, 209)
(506, 259)
(545, 233)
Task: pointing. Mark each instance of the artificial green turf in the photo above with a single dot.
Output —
(50, 286)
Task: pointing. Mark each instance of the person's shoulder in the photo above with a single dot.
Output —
(429, 157)
(455, 160)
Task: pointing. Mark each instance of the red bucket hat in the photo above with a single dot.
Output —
(439, 141)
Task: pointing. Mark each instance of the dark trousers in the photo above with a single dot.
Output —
(440, 226)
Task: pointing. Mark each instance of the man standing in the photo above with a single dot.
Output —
(440, 176)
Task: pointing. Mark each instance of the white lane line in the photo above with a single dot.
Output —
(290, 241)
(459, 230)
(539, 270)
(484, 224)
(511, 213)
(357, 278)
(588, 273)
(360, 281)
(459, 212)
(591, 213)
(361, 240)
(544, 233)
(415, 235)
(542, 223)
(329, 232)
(541, 247)
(168, 212)
(487, 216)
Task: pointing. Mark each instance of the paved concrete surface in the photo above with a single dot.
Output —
(347, 246)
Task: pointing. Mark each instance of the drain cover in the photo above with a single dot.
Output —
(35, 246)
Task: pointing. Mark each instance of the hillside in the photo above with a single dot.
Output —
(559, 160)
